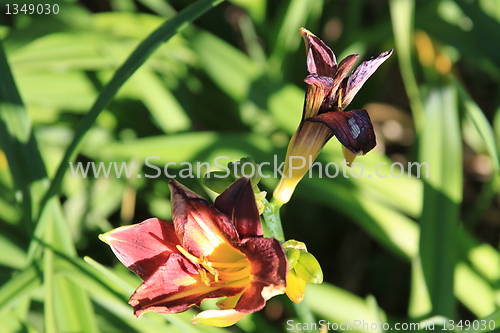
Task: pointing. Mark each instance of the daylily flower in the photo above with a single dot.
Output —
(208, 251)
(329, 92)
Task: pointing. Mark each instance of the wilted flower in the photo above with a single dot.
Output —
(206, 252)
(329, 92)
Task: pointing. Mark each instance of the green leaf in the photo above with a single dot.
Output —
(19, 287)
(232, 70)
(19, 145)
(402, 17)
(441, 149)
(389, 227)
(162, 104)
(67, 307)
(288, 38)
(473, 291)
(339, 306)
(11, 255)
(481, 123)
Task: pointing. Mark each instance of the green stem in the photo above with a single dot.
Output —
(273, 222)
(272, 219)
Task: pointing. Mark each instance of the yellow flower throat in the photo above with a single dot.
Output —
(212, 272)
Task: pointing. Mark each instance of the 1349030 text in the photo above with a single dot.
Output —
(30, 9)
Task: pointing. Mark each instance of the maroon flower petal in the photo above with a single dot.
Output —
(143, 247)
(320, 58)
(342, 71)
(345, 66)
(268, 273)
(200, 227)
(353, 129)
(238, 202)
(318, 95)
(361, 74)
(175, 287)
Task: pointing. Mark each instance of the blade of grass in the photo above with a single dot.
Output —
(473, 291)
(19, 145)
(239, 70)
(288, 38)
(112, 292)
(72, 304)
(160, 101)
(49, 312)
(476, 116)
(402, 16)
(419, 303)
(442, 149)
(479, 120)
(74, 309)
(19, 287)
(11, 255)
(342, 307)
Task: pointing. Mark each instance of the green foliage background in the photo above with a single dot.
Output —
(88, 84)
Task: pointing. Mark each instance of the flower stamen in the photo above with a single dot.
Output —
(188, 255)
(235, 276)
(225, 271)
(204, 277)
(243, 262)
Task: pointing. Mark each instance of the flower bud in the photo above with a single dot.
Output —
(308, 268)
(293, 257)
(303, 268)
(294, 244)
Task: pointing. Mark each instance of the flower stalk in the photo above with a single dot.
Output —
(272, 219)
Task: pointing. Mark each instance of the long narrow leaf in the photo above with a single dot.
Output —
(402, 16)
(483, 127)
(19, 287)
(442, 150)
(18, 143)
